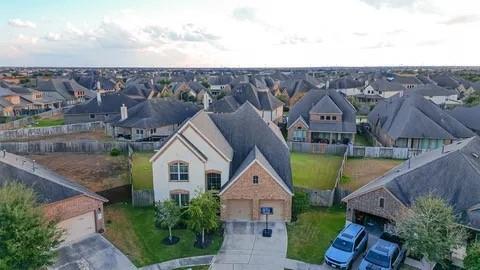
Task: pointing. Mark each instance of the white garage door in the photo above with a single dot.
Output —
(239, 209)
(78, 227)
(277, 206)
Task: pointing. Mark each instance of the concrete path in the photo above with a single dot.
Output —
(181, 263)
(245, 248)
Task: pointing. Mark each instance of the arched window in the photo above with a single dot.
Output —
(182, 197)
(214, 181)
(178, 171)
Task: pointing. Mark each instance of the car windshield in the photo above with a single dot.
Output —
(377, 259)
(343, 245)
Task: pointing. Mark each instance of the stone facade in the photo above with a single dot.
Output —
(369, 203)
(266, 189)
(76, 206)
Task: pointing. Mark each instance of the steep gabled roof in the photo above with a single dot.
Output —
(432, 90)
(325, 105)
(110, 103)
(413, 116)
(244, 129)
(302, 109)
(452, 173)
(469, 116)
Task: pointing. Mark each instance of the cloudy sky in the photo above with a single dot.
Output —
(228, 33)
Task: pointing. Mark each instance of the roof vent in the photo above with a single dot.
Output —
(475, 155)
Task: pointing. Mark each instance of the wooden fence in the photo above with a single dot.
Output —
(23, 122)
(82, 146)
(317, 148)
(117, 194)
(42, 132)
(142, 198)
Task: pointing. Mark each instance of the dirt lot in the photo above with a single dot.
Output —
(94, 171)
(360, 171)
(97, 135)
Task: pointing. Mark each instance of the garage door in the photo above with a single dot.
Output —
(239, 209)
(78, 227)
(277, 206)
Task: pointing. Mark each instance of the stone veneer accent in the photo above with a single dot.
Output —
(266, 189)
(75, 206)
(393, 210)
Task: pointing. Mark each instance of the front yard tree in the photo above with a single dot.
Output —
(430, 229)
(167, 215)
(203, 211)
(472, 261)
(27, 238)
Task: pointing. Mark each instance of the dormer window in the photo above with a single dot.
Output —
(334, 118)
(322, 117)
(327, 117)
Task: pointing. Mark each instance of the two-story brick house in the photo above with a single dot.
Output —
(237, 155)
(323, 116)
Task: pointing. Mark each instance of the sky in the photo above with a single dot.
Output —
(243, 33)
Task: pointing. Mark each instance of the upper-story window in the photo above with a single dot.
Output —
(381, 202)
(334, 117)
(178, 171)
(255, 179)
(214, 181)
(322, 117)
(327, 117)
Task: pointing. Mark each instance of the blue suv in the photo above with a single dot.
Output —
(349, 244)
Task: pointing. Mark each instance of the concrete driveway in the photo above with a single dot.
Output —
(245, 248)
(92, 253)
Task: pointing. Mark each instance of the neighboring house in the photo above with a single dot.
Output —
(409, 82)
(451, 173)
(153, 119)
(295, 89)
(75, 209)
(410, 120)
(190, 91)
(141, 91)
(8, 100)
(267, 105)
(236, 155)
(346, 85)
(322, 116)
(439, 95)
(67, 90)
(383, 88)
(219, 85)
(101, 108)
(468, 116)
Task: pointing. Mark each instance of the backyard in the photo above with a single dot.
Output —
(94, 171)
(132, 230)
(310, 236)
(360, 171)
(49, 122)
(142, 176)
(314, 171)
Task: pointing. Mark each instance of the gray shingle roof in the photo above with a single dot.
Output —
(469, 116)
(452, 174)
(302, 108)
(64, 87)
(413, 116)
(244, 129)
(49, 186)
(110, 103)
(325, 105)
(432, 90)
(154, 113)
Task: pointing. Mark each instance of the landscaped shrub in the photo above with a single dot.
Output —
(472, 261)
(301, 202)
(114, 152)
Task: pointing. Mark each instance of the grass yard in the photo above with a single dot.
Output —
(360, 171)
(49, 122)
(132, 230)
(314, 171)
(310, 236)
(142, 176)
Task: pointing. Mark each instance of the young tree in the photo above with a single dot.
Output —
(27, 238)
(472, 261)
(168, 214)
(203, 211)
(430, 229)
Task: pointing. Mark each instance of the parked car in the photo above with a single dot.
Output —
(386, 254)
(349, 244)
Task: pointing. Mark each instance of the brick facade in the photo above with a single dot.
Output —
(298, 125)
(370, 203)
(73, 207)
(266, 189)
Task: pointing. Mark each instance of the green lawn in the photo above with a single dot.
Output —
(142, 176)
(314, 171)
(132, 230)
(46, 122)
(310, 236)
